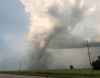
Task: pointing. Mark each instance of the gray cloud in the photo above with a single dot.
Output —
(67, 35)
(78, 27)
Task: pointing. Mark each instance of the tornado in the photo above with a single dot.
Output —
(47, 19)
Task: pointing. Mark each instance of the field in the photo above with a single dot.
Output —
(87, 73)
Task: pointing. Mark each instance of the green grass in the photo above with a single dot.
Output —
(58, 73)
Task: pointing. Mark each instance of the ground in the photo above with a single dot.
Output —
(87, 73)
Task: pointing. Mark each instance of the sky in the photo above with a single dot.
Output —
(13, 26)
(86, 27)
(15, 23)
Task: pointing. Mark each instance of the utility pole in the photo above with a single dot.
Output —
(89, 54)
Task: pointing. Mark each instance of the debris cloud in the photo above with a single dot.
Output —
(48, 18)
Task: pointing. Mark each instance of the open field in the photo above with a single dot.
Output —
(58, 73)
(18, 76)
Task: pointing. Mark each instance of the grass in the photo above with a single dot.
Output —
(58, 73)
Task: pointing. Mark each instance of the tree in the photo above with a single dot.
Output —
(96, 64)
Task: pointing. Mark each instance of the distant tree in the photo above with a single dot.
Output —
(71, 67)
(96, 64)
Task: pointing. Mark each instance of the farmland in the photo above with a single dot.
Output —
(87, 73)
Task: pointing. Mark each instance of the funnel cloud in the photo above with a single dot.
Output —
(52, 19)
